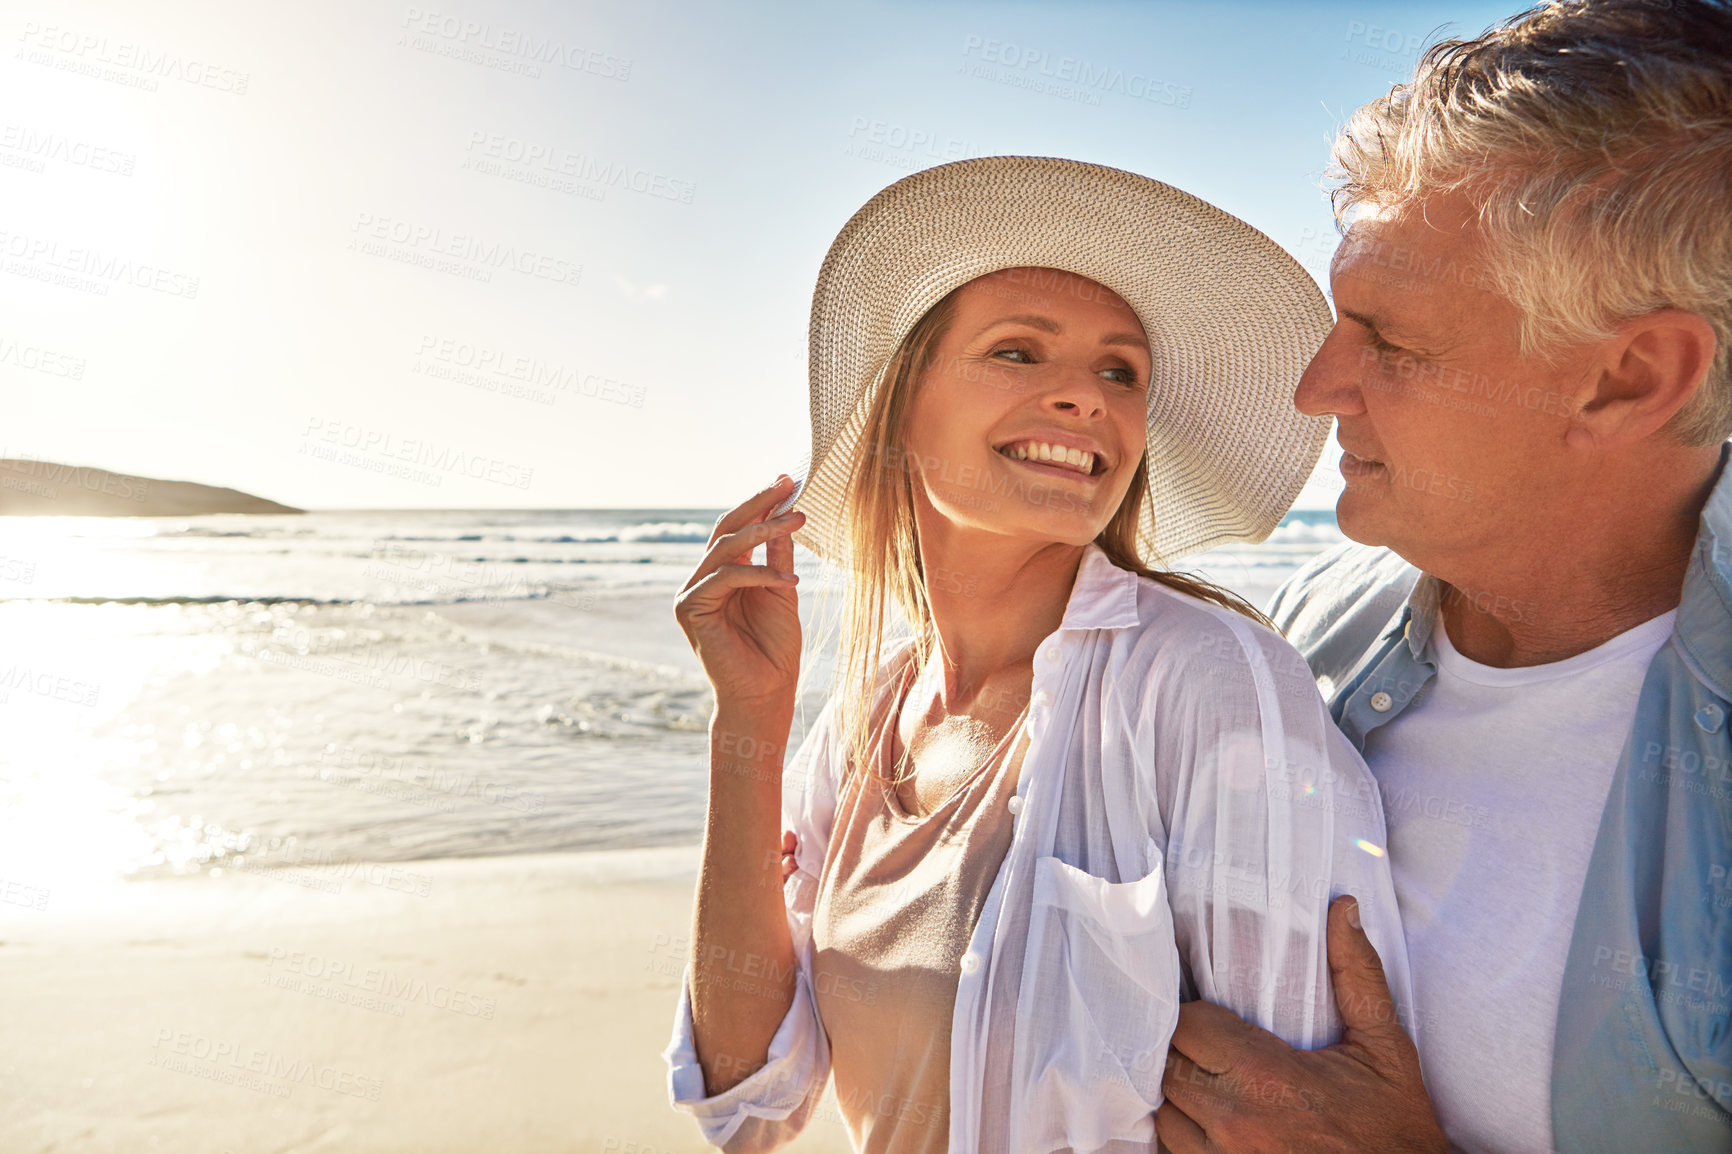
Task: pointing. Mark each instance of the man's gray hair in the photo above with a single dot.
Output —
(1596, 138)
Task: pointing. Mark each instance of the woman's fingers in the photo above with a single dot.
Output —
(753, 508)
(749, 643)
(779, 550)
(737, 547)
(729, 576)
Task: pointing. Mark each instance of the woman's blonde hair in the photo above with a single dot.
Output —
(887, 566)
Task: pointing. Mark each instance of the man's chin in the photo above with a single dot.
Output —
(1363, 518)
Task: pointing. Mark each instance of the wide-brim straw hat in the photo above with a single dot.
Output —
(1232, 321)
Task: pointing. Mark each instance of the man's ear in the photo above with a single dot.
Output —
(1644, 373)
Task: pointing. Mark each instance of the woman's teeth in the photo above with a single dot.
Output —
(1052, 454)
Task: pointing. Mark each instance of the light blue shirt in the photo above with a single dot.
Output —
(1643, 1056)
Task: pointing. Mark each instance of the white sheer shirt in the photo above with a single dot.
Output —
(1185, 812)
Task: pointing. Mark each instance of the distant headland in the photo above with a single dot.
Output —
(44, 488)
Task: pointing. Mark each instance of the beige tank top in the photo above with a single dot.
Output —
(896, 906)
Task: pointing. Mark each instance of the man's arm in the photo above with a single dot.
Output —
(1235, 1088)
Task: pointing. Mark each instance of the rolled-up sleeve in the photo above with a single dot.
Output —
(771, 1106)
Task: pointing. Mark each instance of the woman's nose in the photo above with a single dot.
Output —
(1079, 391)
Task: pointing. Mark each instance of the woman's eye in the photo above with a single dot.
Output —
(1020, 356)
(1121, 376)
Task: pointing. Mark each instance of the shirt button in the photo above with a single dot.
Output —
(1709, 718)
(970, 962)
(1041, 699)
(1381, 701)
(1014, 804)
(1052, 654)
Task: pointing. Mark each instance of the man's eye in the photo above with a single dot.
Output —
(1383, 346)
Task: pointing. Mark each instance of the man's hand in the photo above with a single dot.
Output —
(1236, 1088)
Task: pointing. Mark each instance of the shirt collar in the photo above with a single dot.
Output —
(1703, 629)
(1424, 603)
(1103, 595)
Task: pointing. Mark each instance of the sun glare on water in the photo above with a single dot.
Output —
(68, 674)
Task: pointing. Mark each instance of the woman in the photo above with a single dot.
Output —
(1080, 788)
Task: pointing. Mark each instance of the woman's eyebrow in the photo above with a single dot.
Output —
(1044, 324)
(1048, 325)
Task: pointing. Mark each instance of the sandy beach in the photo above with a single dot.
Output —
(489, 1004)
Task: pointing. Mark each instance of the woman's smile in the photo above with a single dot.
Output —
(1054, 460)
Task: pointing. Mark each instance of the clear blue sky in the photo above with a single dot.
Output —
(238, 243)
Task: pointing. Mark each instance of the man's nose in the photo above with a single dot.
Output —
(1329, 386)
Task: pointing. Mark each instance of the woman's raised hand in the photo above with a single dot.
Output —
(743, 620)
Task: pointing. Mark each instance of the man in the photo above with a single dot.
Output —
(1532, 644)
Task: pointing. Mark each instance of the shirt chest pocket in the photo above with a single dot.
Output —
(1100, 999)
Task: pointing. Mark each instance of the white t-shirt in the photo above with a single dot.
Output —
(1493, 783)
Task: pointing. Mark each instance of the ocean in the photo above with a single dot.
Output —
(190, 695)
